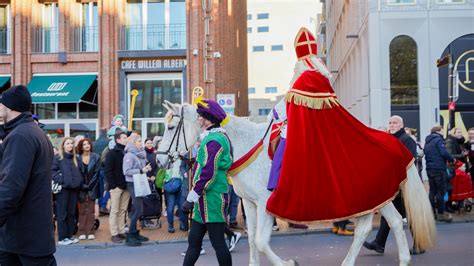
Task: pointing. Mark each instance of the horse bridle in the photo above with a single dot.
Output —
(177, 134)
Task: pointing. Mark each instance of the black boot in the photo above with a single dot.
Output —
(132, 240)
(374, 246)
(141, 238)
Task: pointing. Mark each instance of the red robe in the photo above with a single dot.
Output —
(334, 167)
(462, 186)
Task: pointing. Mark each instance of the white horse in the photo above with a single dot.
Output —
(251, 185)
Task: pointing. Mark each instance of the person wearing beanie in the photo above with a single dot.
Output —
(214, 158)
(26, 216)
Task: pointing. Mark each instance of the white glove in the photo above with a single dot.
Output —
(192, 196)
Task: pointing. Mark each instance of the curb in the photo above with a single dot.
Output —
(108, 245)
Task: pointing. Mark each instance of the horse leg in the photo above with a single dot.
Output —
(394, 220)
(362, 230)
(251, 213)
(264, 232)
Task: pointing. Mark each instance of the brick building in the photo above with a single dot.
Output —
(81, 58)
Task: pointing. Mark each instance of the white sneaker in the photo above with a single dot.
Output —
(275, 228)
(90, 237)
(82, 237)
(64, 242)
(234, 240)
(74, 240)
(202, 252)
(126, 229)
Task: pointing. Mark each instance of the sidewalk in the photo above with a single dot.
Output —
(161, 234)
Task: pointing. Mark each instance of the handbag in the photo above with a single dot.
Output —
(160, 178)
(140, 185)
(173, 185)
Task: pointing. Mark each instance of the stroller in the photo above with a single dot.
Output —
(151, 209)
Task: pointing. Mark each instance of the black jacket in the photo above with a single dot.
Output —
(90, 174)
(113, 167)
(151, 158)
(436, 154)
(26, 213)
(406, 140)
(455, 147)
(66, 173)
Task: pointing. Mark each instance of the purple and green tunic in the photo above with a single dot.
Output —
(210, 179)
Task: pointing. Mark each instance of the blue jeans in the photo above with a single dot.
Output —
(104, 197)
(234, 205)
(173, 199)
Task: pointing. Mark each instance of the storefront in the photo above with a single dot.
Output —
(156, 79)
(66, 104)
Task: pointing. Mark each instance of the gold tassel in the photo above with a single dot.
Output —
(313, 103)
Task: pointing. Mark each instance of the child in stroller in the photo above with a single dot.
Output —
(462, 188)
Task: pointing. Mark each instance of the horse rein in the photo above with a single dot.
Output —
(177, 134)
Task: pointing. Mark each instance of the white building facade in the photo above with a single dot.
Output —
(383, 56)
(272, 27)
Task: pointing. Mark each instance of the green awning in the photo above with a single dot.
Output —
(59, 89)
(4, 80)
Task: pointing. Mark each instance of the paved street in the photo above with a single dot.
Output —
(455, 247)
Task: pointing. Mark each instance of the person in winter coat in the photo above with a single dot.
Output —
(436, 156)
(151, 159)
(134, 162)
(66, 173)
(99, 146)
(119, 196)
(89, 164)
(455, 145)
(26, 156)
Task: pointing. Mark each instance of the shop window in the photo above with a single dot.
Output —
(87, 130)
(151, 95)
(56, 132)
(155, 129)
(87, 110)
(67, 110)
(403, 71)
(46, 110)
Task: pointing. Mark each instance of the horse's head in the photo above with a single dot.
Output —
(181, 130)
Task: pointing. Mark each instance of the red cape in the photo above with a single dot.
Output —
(462, 186)
(334, 167)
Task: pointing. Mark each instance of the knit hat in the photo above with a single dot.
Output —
(17, 98)
(211, 111)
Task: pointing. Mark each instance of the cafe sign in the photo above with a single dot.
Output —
(153, 64)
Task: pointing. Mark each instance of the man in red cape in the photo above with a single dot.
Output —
(334, 167)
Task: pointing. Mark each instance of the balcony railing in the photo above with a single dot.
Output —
(45, 40)
(4, 41)
(153, 37)
(85, 39)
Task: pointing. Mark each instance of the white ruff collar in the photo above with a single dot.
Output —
(216, 130)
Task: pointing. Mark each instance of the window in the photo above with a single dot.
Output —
(259, 48)
(46, 36)
(249, 16)
(151, 95)
(264, 111)
(86, 37)
(450, 1)
(262, 16)
(251, 90)
(401, 2)
(249, 30)
(278, 47)
(403, 71)
(270, 89)
(155, 25)
(4, 29)
(263, 29)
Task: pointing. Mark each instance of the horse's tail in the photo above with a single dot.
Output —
(419, 212)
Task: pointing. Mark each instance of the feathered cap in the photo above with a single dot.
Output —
(212, 111)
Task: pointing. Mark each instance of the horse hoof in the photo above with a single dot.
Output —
(292, 262)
